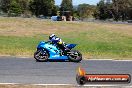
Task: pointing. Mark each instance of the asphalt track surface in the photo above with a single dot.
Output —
(28, 71)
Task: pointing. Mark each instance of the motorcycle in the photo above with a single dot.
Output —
(48, 51)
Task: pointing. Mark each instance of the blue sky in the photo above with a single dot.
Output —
(76, 2)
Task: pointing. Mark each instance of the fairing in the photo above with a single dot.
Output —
(53, 51)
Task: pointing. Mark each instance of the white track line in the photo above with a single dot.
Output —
(98, 59)
(9, 83)
(53, 84)
(107, 60)
(105, 86)
(65, 85)
(123, 60)
(36, 84)
(98, 85)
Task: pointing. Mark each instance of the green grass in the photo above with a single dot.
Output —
(95, 40)
(12, 45)
(102, 43)
(94, 43)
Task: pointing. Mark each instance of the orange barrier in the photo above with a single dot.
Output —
(83, 78)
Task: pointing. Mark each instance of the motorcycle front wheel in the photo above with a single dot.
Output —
(80, 80)
(41, 56)
(75, 56)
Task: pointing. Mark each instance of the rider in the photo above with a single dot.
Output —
(56, 40)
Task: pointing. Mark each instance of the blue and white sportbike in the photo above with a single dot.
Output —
(47, 51)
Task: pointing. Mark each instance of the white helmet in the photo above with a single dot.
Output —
(51, 36)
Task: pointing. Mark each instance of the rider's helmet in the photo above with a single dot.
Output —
(51, 36)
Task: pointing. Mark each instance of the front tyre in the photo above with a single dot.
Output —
(41, 55)
(81, 80)
(75, 56)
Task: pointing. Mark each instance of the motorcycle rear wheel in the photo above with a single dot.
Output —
(41, 56)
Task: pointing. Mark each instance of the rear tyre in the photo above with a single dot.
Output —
(75, 56)
(41, 55)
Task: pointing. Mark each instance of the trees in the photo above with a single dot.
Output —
(103, 11)
(122, 9)
(86, 10)
(55, 10)
(42, 7)
(66, 9)
(66, 5)
(38, 7)
(118, 10)
(24, 4)
(14, 9)
(130, 10)
(0, 6)
(5, 5)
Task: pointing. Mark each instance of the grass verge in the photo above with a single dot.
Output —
(95, 40)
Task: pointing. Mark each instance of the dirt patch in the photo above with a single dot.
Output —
(32, 26)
